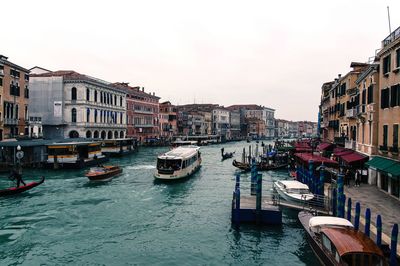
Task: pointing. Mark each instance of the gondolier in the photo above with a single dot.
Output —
(15, 175)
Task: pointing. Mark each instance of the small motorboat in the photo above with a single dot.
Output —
(103, 173)
(335, 241)
(293, 191)
(17, 190)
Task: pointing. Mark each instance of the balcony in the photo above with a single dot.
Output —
(2, 72)
(383, 148)
(394, 149)
(391, 38)
(351, 113)
(10, 121)
(350, 144)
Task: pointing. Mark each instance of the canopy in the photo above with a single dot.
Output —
(343, 152)
(386, 165)
(306, 157)
(324, 146)
(354, 158)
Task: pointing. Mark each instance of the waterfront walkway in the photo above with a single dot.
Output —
(379, 203)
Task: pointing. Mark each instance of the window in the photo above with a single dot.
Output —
(120, 101)
(385, 98)
(398, 58)
(394, 96)
(1, 81)
(95, 115)
(385, 136)
(95, 96)
(395, 136)
(386, 64)
(73, 115)
(88, 115)
(370, 94)
(73, 94)
(87, 94)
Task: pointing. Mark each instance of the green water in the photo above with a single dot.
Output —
(134, 220)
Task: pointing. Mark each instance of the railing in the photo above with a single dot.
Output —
(350, 144)
(1, 72)
(351, 113)
(394, 149)
(393, 36)
(10, 121)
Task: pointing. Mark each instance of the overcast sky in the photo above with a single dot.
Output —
(272, 53)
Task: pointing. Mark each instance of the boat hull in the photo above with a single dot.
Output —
(15, 190)
(260, 166)
(177, 176)
(104, 177)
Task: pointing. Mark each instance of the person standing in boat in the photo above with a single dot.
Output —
(15, 175)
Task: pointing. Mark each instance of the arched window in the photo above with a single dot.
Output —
(120, 101)
(73, 115)
(120, 119)
(88, 134)
(95, 115)
(16, 111)
(101, 97)
(87, 94)
(73, 134)
(115, 99)
(95, 96)
(88, 115)
(116, 134)
(103, 134)
(96, 134)
(73, 94)
(121, 134)
(109, 135)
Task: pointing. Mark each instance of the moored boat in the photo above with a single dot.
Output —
(293, 191)
(261, 166)
(103, 173)
(17, 190)
(178, 163)
(335, 242)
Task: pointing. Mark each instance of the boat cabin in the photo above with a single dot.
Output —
(318, 222)
(294, 187)
(118, 147)
(347, 246)
(75, 154)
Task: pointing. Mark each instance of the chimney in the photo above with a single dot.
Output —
(143, 89)
(339, 75)
(154, 94)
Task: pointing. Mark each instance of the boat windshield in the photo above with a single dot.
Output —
(169, 164)
(366, 259)
(97, 169)
(298, 191)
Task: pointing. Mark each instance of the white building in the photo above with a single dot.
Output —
(72, 105)
(221, 122)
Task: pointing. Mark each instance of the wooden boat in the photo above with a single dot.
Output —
(293, 191)
(226, 155)
(261, 166)
(17, 190)
(103, 173)
(335, 241)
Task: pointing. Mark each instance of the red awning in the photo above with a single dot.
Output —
(324, 146)
(338, 149)
(354, 158)
(305, 157)
(343, 152)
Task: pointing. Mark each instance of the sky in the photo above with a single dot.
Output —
(272, 53)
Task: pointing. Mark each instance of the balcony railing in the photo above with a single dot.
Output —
(351, 113)
(1, 72)
(393, 36)
(10, 121)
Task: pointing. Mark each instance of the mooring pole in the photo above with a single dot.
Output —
(253, 176)
(349, 209)
(393, 245)
(340, 192)
(357, 216)
(367, 222)
(259, 197)
(379, 230)
(321, 186)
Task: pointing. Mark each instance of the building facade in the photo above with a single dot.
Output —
(142, 110)
(168, 120)
(235, 125)
(72, 105)
(221, 123)
(14, 99)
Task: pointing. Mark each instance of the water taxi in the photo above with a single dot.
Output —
(178, 163)
(103, 173)
(335, 242)
(293, 191)
(118, 147)
(74, 154)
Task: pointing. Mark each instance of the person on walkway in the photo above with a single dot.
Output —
(15, 175)
(347, 178)
(358, 178)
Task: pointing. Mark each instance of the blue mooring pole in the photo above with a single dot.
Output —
(357, 216)
(258, 197)
(321, 184)
(310, 175)
(367, 222)
(237, 205)
(334, 202)
(253, 177)
(340, 193)
(237, 185)
(379, 230)
(393, 245)
(349, 209)
(343, 204)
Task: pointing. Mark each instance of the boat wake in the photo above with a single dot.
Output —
(139, 167)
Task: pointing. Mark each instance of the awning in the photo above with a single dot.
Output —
(324, 146)
(343, 152)
(306, 157)
(380, 163)
(393, 170)
(354, 158)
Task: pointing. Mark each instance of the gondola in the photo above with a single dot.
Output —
(227, 155)
(17, 190)
(260, 166)
(103, 173)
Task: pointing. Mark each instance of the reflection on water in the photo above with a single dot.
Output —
(134, 220)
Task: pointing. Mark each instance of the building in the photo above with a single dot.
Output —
(14, 99)
(293, 129)
(368, 110)
(74, 105)
(282, 128)
(269, 117)
(189, 111)
(168, 120)
(384, 169)
(255, 127)
(142, 110)
(221, 123)
(235, 125)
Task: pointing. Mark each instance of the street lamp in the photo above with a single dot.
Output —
(19, 155)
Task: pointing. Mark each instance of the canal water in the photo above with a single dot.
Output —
(134, 220)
